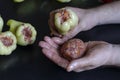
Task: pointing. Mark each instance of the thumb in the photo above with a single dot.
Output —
(82, 64)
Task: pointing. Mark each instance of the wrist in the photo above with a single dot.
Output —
(115, 56)
(108, 13)
(102, 15)
(88, 20)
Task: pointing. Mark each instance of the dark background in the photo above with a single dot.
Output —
(28, 63)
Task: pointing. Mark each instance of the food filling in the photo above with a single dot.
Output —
(27, 34)
(7, 41)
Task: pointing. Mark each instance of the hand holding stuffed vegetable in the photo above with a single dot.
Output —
(68, 22)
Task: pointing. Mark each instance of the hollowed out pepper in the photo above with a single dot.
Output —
(65, 20)
(64, 1)
(18, 1)
(1, 24)
(7, 43)
(13, 25)
(24, 32)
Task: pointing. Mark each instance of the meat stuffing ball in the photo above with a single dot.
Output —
(73, 49)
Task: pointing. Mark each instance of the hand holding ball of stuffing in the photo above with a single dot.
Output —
(97, 53)
(73, 49)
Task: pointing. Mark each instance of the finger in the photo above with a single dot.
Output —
(51, 20)
(52, 25)
(50, 41)
(79, 70)
(44, 44)
(79, 63)
(84, 69)
(57, 40)
(91, 44)
(54, 56)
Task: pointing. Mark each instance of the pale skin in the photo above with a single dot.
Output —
(99, 53)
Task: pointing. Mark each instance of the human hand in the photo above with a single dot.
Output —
(98, 53)
(51, 50)
(86, 21)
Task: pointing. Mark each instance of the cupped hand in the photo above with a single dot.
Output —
(86, 17)
(98, 53)
(51, 50)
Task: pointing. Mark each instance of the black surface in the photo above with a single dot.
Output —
(28, 63)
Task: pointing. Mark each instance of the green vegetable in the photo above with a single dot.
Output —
(65, 20)
(17, 1)
(13, 24)
(24, 32)
(7, 43)
(1, 24)
(64, 1)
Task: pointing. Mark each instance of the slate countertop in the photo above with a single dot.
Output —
(28, 63)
